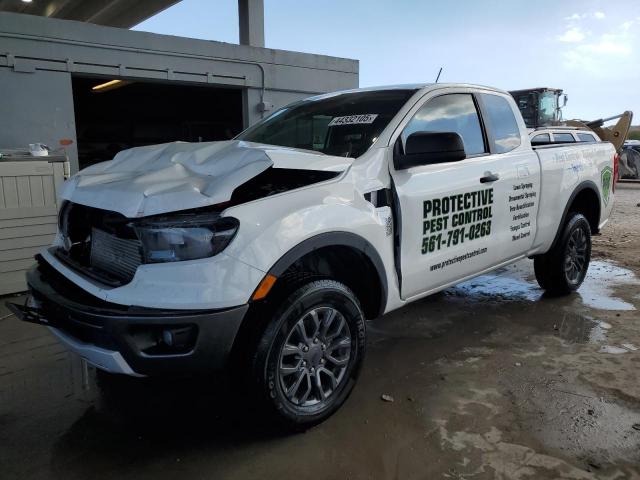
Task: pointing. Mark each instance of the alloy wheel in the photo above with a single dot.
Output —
(576, 256)
(315, 356)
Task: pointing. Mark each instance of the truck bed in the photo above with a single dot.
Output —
(565, 167)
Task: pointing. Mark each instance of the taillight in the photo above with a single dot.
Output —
(616, 161)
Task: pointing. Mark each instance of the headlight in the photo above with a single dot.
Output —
(184, 237)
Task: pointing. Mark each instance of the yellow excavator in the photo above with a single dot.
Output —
(541, 107)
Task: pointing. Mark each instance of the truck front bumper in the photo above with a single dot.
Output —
(129, 340)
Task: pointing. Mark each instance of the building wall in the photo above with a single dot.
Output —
(39, 55)
(36, 107)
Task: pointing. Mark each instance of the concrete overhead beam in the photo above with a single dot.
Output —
(113, 13)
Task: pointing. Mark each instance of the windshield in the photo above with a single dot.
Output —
(548, 108)
(344, 125)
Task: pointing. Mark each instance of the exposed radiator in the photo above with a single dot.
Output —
(116, 256)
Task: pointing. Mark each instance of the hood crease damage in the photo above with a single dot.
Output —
(158, 179)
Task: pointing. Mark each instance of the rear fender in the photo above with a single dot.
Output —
(586, 185)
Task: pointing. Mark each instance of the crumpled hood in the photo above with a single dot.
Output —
(175, 176)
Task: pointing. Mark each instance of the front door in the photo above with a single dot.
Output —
(456, 216)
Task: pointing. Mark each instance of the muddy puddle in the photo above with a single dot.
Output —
(600, 290)
(605, 281)
(511, 294)
(507, 284)
(576, 328)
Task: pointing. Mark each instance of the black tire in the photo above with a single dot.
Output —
(312, 304)
(562, 269)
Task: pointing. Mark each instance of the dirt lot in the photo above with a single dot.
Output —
(490, 379)
(620, 240)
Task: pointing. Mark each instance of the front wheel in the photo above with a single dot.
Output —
(563, 268)
(310, 354)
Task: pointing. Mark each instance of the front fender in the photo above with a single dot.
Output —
(275, 229)
(331, 239)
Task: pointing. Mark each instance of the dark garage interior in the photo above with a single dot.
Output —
(130, 114)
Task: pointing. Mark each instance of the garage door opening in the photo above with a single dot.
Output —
(129, 114)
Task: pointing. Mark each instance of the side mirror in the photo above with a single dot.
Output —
(425, 148)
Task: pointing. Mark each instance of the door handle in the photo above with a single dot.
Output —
(489, 177)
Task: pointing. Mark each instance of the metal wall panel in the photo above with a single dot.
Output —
(28, 216)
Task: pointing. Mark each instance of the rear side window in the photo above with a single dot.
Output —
(454, 112)
(541, 139)
(586, 137)
(501, 123)
(563, 138)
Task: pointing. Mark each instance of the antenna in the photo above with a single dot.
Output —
(438, 77)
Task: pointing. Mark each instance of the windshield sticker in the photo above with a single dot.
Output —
(365, 119)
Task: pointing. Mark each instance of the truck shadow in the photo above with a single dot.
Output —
(144, 421)
(154, 422)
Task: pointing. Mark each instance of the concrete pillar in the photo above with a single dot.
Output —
(251, 18)
(250, 112)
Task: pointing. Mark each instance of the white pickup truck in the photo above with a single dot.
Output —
(264, 255)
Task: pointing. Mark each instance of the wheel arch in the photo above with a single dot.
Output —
(366, 277)
(584, 199)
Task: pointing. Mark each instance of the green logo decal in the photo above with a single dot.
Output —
(607, 177)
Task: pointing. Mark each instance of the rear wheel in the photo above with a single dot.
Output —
(563, 269)
(310, 354)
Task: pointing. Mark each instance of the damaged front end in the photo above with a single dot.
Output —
(108, 247)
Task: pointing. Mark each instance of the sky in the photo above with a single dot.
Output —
(589, 48)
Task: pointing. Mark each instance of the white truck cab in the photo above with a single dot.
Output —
(265, 254)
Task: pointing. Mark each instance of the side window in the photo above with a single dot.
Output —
(541, 139)
(501, 123)
(563, 138)
(454, 112)
(586, 137)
